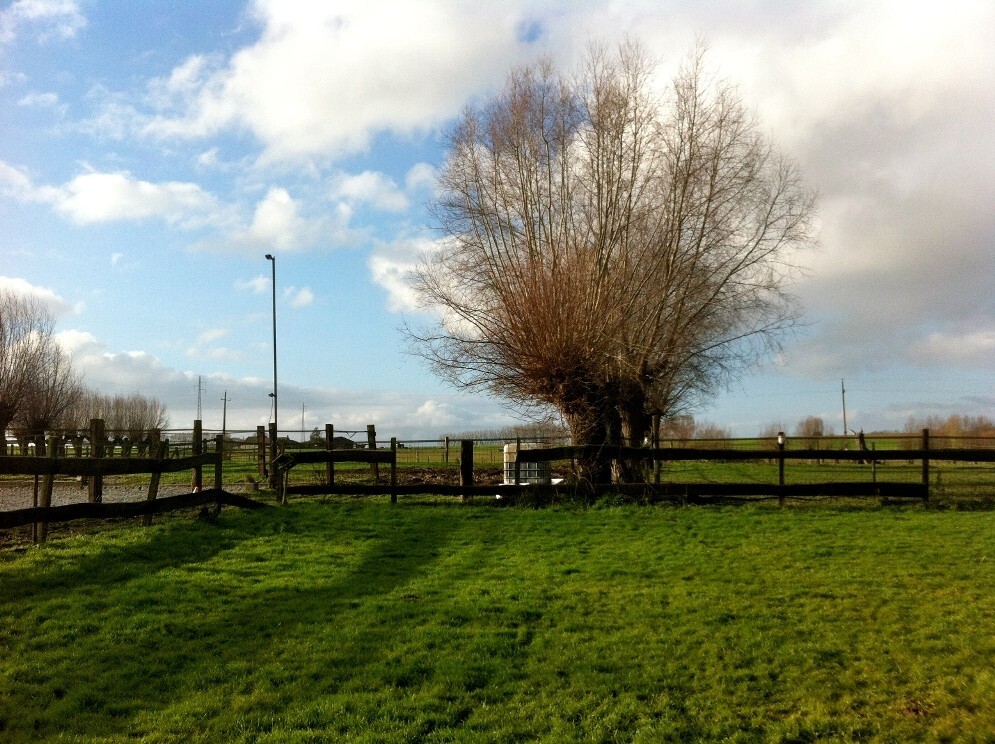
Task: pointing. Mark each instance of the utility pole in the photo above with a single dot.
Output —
(224, 414)
(845, 430)
(200, 389)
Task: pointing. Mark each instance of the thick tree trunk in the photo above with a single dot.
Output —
(590, 423)
(635, 423)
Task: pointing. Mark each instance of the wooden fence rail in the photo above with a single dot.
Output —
(288, 460)
(51, 514)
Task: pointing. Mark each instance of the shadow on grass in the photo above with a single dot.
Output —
(238, 638)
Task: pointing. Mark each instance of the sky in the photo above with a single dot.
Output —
(152, 154)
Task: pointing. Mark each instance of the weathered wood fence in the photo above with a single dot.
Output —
(97, 466)
(653, 489)
(288, 460)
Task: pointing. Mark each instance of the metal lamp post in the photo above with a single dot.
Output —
(276, 428)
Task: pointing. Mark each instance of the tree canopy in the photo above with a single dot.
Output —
(610, 251)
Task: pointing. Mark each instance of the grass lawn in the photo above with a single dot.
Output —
(358, 621)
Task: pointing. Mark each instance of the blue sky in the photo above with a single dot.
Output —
(151, 154)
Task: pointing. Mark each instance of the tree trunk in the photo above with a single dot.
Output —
(635, 424)
(590, 423)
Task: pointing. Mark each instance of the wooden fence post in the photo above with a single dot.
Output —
(447, 450)
(274, 476)
(466, 465)
(261, 451)
(371, 442)
(160, 454)
(95, 493)
(219, 447)
(656, 445)
(518, 465)
(330, 445)
(393, 470)
(197, 448)
(780, 468)
(48, 483)
(925, 464)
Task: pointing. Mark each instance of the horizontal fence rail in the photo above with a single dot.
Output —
(100, 466)
(124, 509)
(552, 454)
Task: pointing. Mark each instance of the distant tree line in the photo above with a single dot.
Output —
(40, 391)
(525, 430)
(954, 425)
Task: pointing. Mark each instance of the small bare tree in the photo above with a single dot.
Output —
(25, 343)
(609, 253)
(53, 392)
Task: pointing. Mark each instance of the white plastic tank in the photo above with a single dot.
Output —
(529, 473)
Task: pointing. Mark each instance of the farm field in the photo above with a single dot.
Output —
(351, 620)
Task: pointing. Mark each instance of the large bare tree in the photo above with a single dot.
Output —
(608, 251)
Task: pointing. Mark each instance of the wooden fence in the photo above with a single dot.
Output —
(653, 489)
(98, 466)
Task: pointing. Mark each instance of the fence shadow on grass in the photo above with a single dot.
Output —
(183, 640)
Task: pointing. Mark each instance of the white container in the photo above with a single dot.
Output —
(529, 473)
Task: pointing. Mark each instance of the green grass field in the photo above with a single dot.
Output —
(357, 621)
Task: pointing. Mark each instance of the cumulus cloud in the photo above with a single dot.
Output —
(421, 176)
(256, 285)
(278, 223)
(57, 305)
(15, 182)
(315, 61)
(371, 188)
(435, 415)
(104, 197)
(391, 265)
(299, 297)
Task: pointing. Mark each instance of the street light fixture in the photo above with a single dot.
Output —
(276, 428)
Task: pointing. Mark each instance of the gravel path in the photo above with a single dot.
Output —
(20, 494)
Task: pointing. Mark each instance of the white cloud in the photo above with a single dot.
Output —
(421, 176)
(299, 297)
(205, 346)
(211, 335)
(14, 182)
(256, 285)
(79, 342)
(208, 158)
(277, 223)
(435, 415)
(40, 100)
(322, 78)
(56, 304)
(60, 18)
(104, 197)
(391, 265)
(371, 188)
(971, 349)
